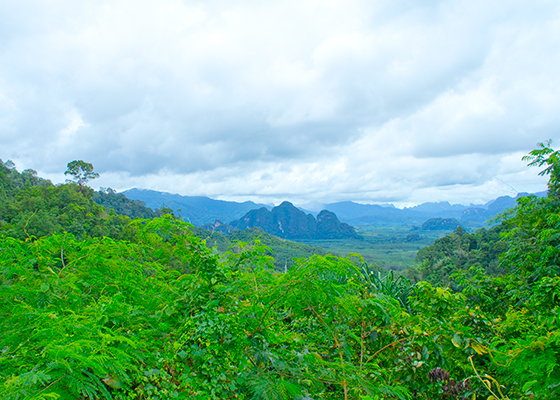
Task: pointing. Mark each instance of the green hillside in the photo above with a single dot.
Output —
(33, 207)
(284, 252)
(445, 262)
(95, 305)
(122, 205)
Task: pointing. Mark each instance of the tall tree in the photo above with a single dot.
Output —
(81, 171)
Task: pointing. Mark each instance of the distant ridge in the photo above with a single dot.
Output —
(201, 210)
(198, 210)
(473, 216)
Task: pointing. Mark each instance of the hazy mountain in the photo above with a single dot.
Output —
(440, 207)
(289, 222)
(202, 210)
(502, 203)
(197, 210)
(473, 216)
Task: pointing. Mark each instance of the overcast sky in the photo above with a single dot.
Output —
(399, 101)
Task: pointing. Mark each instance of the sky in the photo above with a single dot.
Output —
(373, 101)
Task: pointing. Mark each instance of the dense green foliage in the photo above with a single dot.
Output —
(164, 317)
(284, 252)
(459, 252)
(156, 314)
(34, 207)
(122, 205)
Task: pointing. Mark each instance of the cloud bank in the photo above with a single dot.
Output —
(371, 101)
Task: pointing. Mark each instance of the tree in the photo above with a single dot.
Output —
(81, 171)
(546, 155)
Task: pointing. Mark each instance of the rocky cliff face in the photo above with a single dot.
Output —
(329, 227)
(287, 221)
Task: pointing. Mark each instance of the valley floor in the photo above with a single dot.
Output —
(388, 247)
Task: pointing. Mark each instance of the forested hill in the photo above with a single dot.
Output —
(284, 252)
(122, 205)
(459, 254)
(32, 207)
(94, 305)
(287, 221)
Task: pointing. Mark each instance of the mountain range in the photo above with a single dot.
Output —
(201, 211)
(198, 210)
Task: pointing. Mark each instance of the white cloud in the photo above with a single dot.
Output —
(359, 100)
